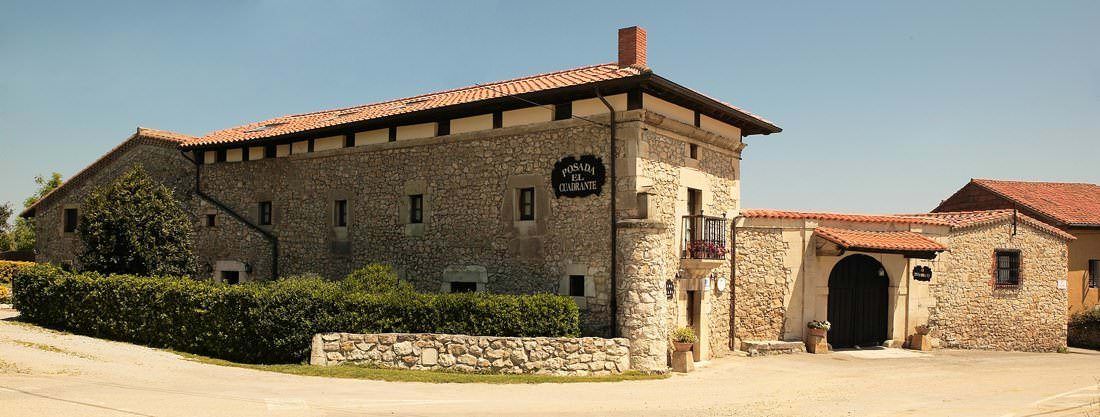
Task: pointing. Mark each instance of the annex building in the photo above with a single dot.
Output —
(607, 183)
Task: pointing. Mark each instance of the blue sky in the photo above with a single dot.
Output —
(886, 106)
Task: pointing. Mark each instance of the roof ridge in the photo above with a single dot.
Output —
(1032, 182)
(452, 90)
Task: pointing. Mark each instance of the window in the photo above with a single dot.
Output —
(693, 151)
(269, 151)
(576, 285)
(416, 209)
(211, 220)
(340, 213)
(1094, 273)
(1008, 268)
(527, 204)
(463, 287)
(265, 213)
(70, 220)
(231, 277)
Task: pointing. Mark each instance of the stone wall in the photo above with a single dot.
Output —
(762, 284)
(461, 353)
(969, 312)
(160, 159)
(470, 231)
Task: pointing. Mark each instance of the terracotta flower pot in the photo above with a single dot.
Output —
(682, 347)
(818, 332)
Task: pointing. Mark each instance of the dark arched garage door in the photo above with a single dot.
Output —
(857, 302)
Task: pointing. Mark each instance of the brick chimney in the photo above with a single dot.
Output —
(632, 47)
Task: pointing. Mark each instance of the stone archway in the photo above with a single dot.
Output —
(858, 302)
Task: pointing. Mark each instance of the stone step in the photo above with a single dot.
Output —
(772, 347)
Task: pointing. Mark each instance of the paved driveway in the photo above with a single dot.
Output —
(45, 373)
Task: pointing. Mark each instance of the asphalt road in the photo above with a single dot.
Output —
(45, 373)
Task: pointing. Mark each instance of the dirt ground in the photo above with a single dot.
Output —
(45, 373)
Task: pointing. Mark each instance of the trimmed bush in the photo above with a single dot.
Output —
(8, 268)
(270, 322)
(1084, 329)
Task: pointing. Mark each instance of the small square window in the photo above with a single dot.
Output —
(340, 213)
(269, 151)
(463, 287)
(527, 204)
(70, 220)
(265, 213)
(1094, 273)
(1008, 268)
(576, 285)
(416, 209)
(693, 151)
(211, 220)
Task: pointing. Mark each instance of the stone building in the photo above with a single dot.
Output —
(510, 187)
(994, 279)
(607, 183)
(57, 213)
(1071, 207)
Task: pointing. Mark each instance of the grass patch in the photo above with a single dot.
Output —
(50, 348)
(405, 375)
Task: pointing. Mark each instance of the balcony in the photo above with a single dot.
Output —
(703, 247)
(704, 237)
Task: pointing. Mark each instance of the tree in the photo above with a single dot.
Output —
(135, 226)
(21, 234)
(5, 228)
(45, 186)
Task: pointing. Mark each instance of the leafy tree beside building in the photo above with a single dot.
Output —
(135, 226)
(20, 234)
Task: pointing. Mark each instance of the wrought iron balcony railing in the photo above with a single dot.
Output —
(704, 237)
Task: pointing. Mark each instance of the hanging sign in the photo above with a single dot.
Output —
(922, 273)
(582, 177)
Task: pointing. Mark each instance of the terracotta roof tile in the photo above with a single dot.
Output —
(964, 219)
(884, 241)
(1076, 204)
(309, 121)
(860, 218)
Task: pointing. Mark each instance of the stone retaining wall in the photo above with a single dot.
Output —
(462, 353)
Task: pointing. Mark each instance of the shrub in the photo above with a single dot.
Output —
(135, 225)
(5, 294)
(1084, 329)
(375, 279)
(8, 268)
(270, 322)
(683, 335)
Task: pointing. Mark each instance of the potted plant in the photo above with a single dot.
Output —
(683, 339)
(816, 338)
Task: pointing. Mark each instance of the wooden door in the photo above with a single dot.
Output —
(858, 302)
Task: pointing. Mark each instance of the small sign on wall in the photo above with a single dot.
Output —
(922, 273)
(1063, 284)
(582, 177)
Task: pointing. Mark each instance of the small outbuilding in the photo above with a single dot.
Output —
(986, 280)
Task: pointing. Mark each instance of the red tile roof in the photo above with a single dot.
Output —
(309, 121)
(879, 241)
(964, 219)
(860, 218)
(1074, 204)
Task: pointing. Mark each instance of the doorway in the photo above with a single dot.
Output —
(858, 303)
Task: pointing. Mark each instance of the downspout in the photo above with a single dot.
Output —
(614, 225)
(266, 234)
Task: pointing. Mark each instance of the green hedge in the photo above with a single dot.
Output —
(8, 269)
(272, 322)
